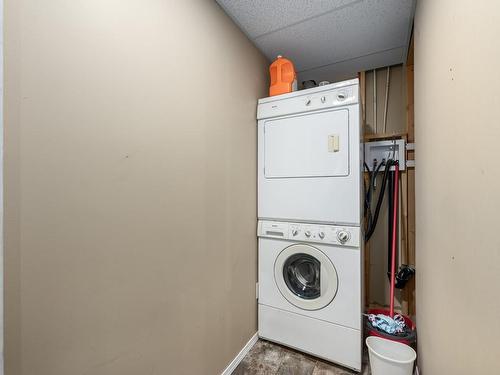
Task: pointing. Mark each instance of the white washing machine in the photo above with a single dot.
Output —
(309, 155)
(310, 289)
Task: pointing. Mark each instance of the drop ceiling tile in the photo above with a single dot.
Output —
(348, 69)
(259, 17)
(354, 31)
(327, 36)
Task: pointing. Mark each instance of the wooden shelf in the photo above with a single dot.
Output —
(379, 137)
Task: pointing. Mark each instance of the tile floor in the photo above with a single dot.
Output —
(267, 358)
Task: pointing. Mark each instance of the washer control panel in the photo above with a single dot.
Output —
(317, 233)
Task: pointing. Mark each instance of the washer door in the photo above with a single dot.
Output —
(306, 277)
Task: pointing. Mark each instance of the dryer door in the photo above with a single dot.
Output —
(306, 277)
(307, 145)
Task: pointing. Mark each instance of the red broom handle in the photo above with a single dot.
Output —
(394, 236)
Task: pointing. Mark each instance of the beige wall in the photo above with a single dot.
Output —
(457, 128)
(130, 187)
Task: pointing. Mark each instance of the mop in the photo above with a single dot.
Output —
(392, 326)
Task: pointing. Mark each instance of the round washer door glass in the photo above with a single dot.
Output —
(306, 277)
(301, 273)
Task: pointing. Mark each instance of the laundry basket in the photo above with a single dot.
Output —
(389, 357)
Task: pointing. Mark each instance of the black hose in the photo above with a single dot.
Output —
(374, 176)
(368, 195)
(368, 209)
(367, 201)
(371, 228)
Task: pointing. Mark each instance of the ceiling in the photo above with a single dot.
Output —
(327, 39)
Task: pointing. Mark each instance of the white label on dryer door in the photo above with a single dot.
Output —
(309, 145)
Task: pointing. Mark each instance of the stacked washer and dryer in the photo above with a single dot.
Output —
(309, 229)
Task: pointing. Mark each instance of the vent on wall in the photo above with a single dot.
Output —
(327, 39)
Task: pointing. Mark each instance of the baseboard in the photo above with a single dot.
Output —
(243, 352)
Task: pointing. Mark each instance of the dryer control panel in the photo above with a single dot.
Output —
(315, 233)
(339, 94)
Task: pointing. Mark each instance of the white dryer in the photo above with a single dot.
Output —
(310, 289)
(309, 163)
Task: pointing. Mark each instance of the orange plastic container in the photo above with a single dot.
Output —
(283, 77)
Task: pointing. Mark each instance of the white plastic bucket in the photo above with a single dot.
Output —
(389, 357)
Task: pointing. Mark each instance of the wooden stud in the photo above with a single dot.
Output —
(410, 118)
(367, 273)
(366, 254)
(409, 58)
(362, 90)
(404, 235)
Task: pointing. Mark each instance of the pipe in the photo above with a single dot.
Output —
(394, 235)
(386, 97)
(375, 101)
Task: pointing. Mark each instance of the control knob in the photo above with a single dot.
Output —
(343, 236)
(321, 235)
(295, 231)
(307, 233)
